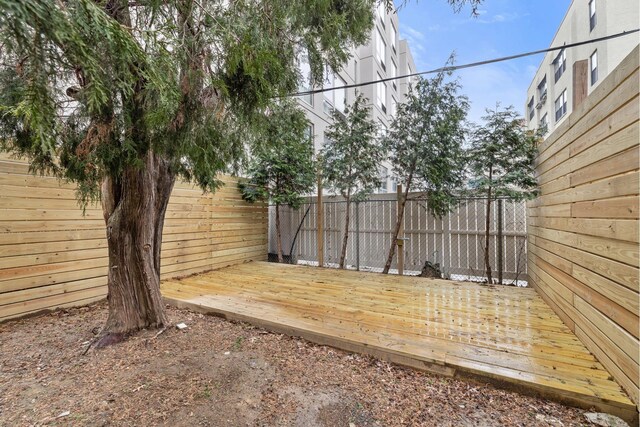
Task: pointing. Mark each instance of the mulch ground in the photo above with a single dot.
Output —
(219, 373)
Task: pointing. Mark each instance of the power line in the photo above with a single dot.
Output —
(470, 65)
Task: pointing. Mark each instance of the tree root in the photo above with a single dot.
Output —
(160, 332)
(110, 339)
(102, 341)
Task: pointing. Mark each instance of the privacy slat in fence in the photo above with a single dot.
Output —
(455, 242)
(52, 256)
(584, 227)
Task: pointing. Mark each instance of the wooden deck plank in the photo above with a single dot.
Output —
(434, 324)
(507, 335)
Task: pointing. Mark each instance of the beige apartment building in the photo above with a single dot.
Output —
(567, 76)
(384, 56)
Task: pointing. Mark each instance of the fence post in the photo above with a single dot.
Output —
(446, 245)
(320, 223)
(358, 236)
(500, 221)
(400, 238)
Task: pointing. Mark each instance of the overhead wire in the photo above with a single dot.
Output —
(463, 66)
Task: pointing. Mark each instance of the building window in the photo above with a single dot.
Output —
(592, 15)
(382, 129)
(594, 67)
(393, 107)
(327, 140)
(530, 109)
(355, 71)
(381, 94)
(381, 11)
(381, 50)
(394, 184)
(383, 175)
(340, 96)
(544, 124)
(394, 36)
(560, 64)
(542, 89)
(305, 77)
(393, 72)
(329, 96)
(309, 133)
(561, 105)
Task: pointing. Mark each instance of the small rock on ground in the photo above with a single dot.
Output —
(604, 420)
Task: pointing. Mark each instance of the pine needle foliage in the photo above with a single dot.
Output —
(501, 157)
(89, 87)
(425, 142)
(353, 153)
(282, 169)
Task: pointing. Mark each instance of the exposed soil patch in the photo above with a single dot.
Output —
(218, 373)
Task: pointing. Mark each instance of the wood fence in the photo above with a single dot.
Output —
(52, 256)
(455, 242)
(583, 240)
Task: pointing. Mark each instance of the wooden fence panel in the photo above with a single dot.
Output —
(52, 256)
(583, 240)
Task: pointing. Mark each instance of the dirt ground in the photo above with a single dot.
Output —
(219, 373)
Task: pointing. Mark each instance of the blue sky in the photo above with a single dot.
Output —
(504, 27)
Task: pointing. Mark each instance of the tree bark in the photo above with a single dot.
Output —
(134, 208)
(345, 237)
(278, 234)
(487, 234)
(394, 240)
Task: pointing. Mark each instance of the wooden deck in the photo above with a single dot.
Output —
(504, 334)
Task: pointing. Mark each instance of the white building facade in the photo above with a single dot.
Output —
(566, 77)
(384, 56)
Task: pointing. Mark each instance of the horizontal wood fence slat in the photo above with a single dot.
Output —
(584, 227)
(52, 256)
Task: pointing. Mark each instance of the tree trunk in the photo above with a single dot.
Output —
(345, 238)
(134, 208)
(394, 240)
(278, 234)
(487, 234)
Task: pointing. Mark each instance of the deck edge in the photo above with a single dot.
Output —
(628, 412)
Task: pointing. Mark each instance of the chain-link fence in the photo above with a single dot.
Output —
(450, 247)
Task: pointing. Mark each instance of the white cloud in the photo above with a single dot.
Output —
(493, 83)
(416, 40)
(412, 32)
(499, 18)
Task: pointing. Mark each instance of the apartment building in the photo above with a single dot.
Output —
(385, 55)
(566, 77)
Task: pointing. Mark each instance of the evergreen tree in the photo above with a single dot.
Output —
(282, 170)
(424, 144)
(123, 97)
(351, 158)
(501, 164)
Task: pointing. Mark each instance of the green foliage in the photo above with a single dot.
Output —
(501, 157)
(88, 88)
(425, 140)
(351, 159)
(282, 169)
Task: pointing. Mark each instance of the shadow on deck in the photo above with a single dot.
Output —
(505, 335)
